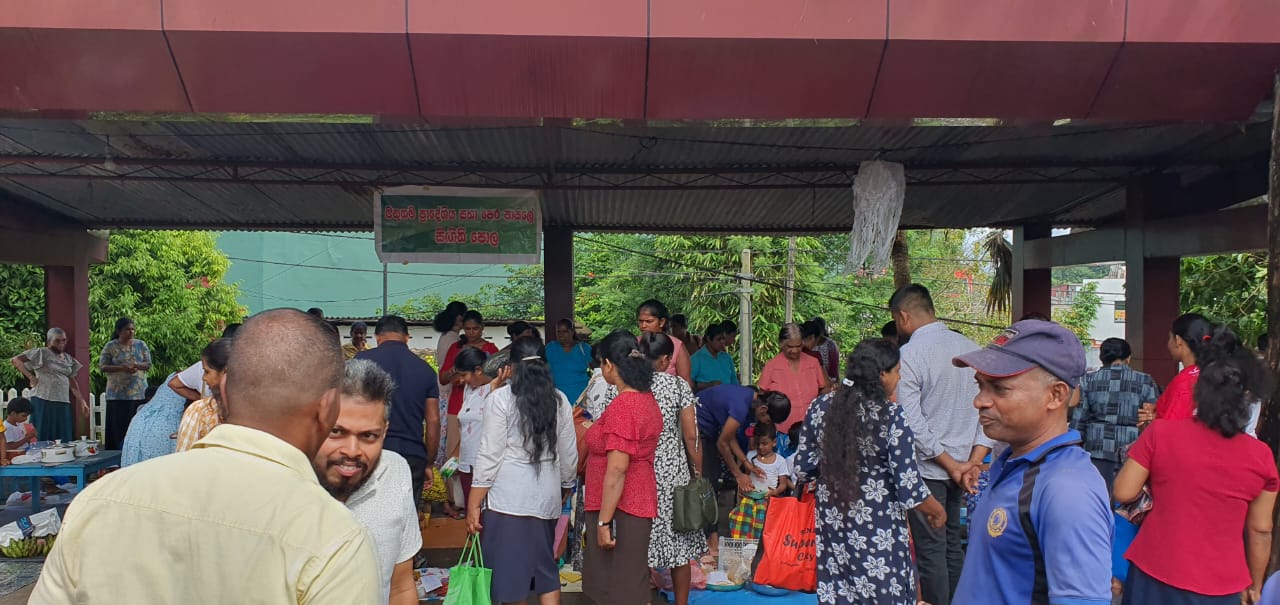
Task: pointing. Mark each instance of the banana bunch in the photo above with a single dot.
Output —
(29, 547)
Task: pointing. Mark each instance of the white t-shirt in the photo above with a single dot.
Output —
(15, 432)
(772, 470)
(384, 506)
(470, 419)
(193, 378)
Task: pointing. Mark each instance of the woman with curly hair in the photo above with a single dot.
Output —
(856, 445)
(1211, 483)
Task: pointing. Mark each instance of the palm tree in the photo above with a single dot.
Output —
(900, 259)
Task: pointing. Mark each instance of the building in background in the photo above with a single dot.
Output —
(338, 272)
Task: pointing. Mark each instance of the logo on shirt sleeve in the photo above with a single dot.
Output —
(997, 522)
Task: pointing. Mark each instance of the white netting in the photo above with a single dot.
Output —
(878, 192)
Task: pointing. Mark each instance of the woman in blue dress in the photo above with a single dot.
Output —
(569, 360)
(153, 430)
(864, 547)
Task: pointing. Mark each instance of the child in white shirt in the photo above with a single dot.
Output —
(777, 471)
(17, 431)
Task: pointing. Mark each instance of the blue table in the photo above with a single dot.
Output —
(81, 469)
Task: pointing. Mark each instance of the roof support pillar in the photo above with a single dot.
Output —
(557, 276)
(1031, 286)
(1151, 288)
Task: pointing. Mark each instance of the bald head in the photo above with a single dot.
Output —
(283, 377)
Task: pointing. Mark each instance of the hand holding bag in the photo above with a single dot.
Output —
(469, 580)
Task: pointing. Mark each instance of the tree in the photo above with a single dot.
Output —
(900, 257)
(171, 284)
(1228, 288)
(21, 317)
(1079, 316)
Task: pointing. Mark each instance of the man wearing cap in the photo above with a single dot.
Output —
(1041, 532)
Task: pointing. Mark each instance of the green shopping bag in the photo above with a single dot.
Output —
(469, 580)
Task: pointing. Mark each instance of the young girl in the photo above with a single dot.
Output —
(777, 472)
(17, 430)
(203, 415)
(476, 389)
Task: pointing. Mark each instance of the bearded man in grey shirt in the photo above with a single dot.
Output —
(937, 402)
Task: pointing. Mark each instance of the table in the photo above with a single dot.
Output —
(81, 469)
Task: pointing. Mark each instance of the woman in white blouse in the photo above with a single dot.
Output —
(526, 466)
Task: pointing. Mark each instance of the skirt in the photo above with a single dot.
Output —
(619, 576)
(52, 419)
(521, 553)
(1142, 589)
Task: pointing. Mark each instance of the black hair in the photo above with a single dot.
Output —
(316, 312)
(516, 328)
(790, 331)
(391, 324)
(456, 306)
(537, 400)
(793, 434)
(889, 329)
(713, 331)
(1114, 349)
(469, 359)
(655, 308)
(856, 416)
(444, 320)
(230, 330)
(679, 319)
(911, 297)
(1195, 330)
(567, 322)
(654, 346)
(779, 406)
(20, 405)
(767, 431)
(473, 315)
(217, 354)
(1231, 377)
(819, 326)
(730, 326)
(359, 325)
(621, 349)
(809, 329)
(121, 324)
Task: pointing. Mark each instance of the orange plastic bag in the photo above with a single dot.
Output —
(789, 559)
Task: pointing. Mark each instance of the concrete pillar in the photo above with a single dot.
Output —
(1032, 288)
(66, 295)
(557, 276)
(1152, 287)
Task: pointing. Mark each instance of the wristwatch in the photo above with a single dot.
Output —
(603, 523)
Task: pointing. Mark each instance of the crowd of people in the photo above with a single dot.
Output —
(892, 442)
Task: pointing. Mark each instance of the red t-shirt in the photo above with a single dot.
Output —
(1201, 486)
(455, 394)
(631, 424)
(1177, 401)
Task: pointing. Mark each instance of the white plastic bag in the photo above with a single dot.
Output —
(39, 525)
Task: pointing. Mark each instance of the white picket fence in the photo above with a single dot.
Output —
(97, 410)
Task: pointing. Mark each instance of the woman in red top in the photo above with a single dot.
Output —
(1188, 339)
(1212, 485)
(472, 336)
(622, 492)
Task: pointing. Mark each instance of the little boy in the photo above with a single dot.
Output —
(17, 430)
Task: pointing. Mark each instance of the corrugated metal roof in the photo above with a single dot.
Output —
(977, 175)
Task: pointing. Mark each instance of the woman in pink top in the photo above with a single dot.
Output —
(798, 376)
(1213, 486)
(652, 316)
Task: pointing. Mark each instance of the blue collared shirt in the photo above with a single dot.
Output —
(1072, 520)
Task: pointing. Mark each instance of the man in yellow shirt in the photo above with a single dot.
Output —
(241, 517)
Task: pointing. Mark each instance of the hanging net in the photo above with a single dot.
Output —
(878, 192)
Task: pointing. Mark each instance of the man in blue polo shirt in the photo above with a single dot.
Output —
(1041, 533)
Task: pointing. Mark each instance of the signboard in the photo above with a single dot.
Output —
(418, 224)
(1119, 312)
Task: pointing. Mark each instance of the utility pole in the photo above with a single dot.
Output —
(1269, 426)
(745, 349)
(385, 308)
(791, 279)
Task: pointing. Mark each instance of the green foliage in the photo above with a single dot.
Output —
(1230, 288)
(1079, 316)
(423, 308)
(21, 317)
(171, 284)
(1076, 274)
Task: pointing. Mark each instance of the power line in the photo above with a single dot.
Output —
(767, 283)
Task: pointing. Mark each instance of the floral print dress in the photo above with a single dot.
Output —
(864, 547)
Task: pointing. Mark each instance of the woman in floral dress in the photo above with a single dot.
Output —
(864, 548)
